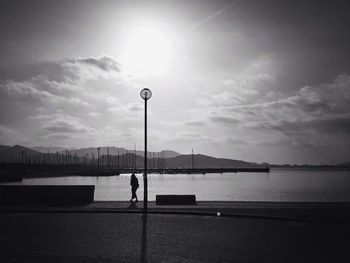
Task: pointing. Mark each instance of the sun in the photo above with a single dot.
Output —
(147, 52)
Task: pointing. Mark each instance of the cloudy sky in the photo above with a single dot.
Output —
(253, 80)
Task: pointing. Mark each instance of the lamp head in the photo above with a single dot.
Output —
(146, 94)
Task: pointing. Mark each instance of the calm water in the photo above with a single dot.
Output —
(278, 185)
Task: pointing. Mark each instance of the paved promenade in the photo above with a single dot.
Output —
(338, 212)
(116, 232)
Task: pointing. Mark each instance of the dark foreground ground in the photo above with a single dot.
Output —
(115, 232)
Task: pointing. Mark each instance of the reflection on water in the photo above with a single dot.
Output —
(279, 185)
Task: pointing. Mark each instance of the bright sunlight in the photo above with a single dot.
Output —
(146, 53)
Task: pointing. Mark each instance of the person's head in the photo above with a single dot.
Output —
(133, 175)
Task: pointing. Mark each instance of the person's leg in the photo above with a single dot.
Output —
(132, 194)
(133, 191)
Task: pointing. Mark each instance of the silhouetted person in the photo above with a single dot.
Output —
(134, 185)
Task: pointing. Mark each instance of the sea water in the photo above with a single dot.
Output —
(281, 185)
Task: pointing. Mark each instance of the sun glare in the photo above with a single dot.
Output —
(147, 52)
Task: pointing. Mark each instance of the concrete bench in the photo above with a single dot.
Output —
(8, 177)
(176, 200)
(46, 195)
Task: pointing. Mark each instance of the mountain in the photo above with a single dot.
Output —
(162, 154)
(167, 159)
(204, 161)
(93, 151)
(4, 147)
(15, 153)
(170, 154)
(181, 161)
(117, 150)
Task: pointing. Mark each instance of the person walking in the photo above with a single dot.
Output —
(134, 182)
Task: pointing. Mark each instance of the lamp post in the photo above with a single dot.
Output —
(145, 94)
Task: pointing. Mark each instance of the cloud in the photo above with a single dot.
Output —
(256, 107)
(333, 125)
(59, 137)
(189, 138)
(78, 82)
(105, 63)
(59, 123)
(248, 79)
(8, 136)
(26, 90)
(326, 101)
(195, 123)
(224, 120)
(89, 102)
(91, 68)
(64, 128)
(255, 83)
(70, 102)
(135, 107)
(94, 114)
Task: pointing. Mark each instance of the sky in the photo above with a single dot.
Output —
(262, 81)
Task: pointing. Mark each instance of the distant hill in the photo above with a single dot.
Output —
(168, 158)
(8, 153)
(170, 154)
(204, 161)
(164, 154)
(182, 161)
(93, 151)
(114, 151)
(90, 151)
(4, 147)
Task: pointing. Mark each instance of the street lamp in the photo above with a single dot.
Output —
(145, 94)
